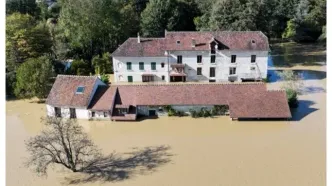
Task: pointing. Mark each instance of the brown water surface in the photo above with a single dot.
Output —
(210, 151)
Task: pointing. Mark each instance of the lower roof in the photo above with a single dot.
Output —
(246, 100)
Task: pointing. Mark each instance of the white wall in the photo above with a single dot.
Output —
(50, 110)
(120, 68)
(82, 114)
(222, 64)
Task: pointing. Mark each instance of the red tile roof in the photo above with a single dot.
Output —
(228, 40)
(148, 47)
(185, 94)
(103, 98)
(246, 100)
(268, 104)
(63, 92)
(232, 40)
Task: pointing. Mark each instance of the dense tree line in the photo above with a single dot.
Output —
(88, 31)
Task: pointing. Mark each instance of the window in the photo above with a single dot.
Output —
(253, 41)
(72, 112)
(213, 59)
(105, 114)
(57, 111)
(93, 114)
(163, 78)
(252, 68)
(199, 71)
(162, 65)
(130, 78)
(141, 66)
(199, 59)
(147, 78)
(233, 59)
(80, 90)
(153, 65)
(232, 70)
(253, 58)
(179, 59)
(128, 65)
(212, 72)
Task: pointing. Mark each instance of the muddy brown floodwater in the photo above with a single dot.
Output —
(198, 152)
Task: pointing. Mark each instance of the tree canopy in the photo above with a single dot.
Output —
(34, 78)
(25, 38)
(82, 30)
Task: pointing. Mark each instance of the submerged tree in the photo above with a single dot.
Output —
(292, 84)
(62, 142)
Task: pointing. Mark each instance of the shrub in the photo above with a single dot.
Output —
(105, 78)
(167, 108)
(171, 112)
(180, 113)
(193, 113)
(79, 67)
(265, 80)
(292, 98)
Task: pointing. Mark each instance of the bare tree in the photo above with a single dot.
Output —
(62, 142)
(291, 80)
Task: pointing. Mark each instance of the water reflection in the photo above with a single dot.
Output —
(289, 54)
(303, 74)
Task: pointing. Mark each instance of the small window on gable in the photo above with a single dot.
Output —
(80, 90)
(178, 42)
(253, 41)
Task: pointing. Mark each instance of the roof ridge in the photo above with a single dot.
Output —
(147, 38)
(191, 84)
(212, 31)
(77, 76)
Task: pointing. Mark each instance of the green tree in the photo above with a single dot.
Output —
(80, 67)
(97, 29)
(25, 39)
(102, 65)
(308, 21)
(226, 15)
(290, 31)
(22, 6)
(34, 78)
(165, 14)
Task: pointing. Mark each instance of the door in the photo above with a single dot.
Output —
(57, 111)
(152, 112)
(130, 78)
(72, 113)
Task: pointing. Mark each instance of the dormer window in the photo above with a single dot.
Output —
(80, 90)
(178, 42)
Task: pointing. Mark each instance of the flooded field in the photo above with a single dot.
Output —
(192, 152)
(290, 54)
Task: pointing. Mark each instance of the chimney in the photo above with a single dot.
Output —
(138, 38)
(193, 42)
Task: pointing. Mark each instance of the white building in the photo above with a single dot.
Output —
(193, 56)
